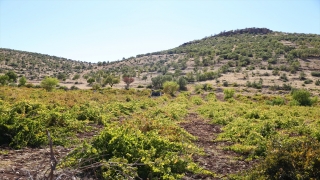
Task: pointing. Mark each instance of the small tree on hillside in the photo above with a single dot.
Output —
(128, 80)
(12, 76)
(91, 80)
(145, 78)
(182, 83)
(49, 83)
(4, 80)
(76, 76)
(111, 80)
(22, 81)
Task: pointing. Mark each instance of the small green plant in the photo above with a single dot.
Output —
(228, 93)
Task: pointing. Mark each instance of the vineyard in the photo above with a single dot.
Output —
(125, 134)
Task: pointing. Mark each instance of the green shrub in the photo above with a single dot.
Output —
(197, 100)
(29, 85)
(278, 101)
(25, 123)
(22, 81)
(128, 152)
(302, 97)
(74, 88)
(228, 93)
(96, 86)
(64, 88)
(170, 87)
(225, 83)
(49, 83)
(296, 158)
(182, 83)
(315, 73)
(308, 81)
(207, 87)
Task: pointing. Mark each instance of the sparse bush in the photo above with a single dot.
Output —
(13, 84)
(278, 101)
(96, 86)
(207, 87)
(308, 81)
(75, 77)
(225, 83)
(286, 87)
(74, 88)
(315, 73)
(64, 88)
(284, 77)
(302, 75)
(29, 85)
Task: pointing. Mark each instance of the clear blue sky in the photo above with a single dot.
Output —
(105, 30)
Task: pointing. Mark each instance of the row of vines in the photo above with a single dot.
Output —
(141, 136)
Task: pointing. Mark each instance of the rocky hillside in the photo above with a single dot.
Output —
(252, 58)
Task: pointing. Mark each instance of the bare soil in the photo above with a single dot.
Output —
(34, 163)
(217, 160)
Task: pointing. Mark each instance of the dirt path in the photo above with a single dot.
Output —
(219, 161)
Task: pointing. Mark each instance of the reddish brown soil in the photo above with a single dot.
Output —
(217, 160)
